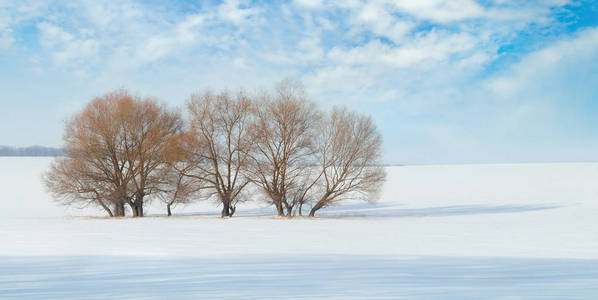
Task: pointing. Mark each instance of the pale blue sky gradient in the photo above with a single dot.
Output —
(458, 81)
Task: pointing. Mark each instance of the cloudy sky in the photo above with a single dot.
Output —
(457, 81)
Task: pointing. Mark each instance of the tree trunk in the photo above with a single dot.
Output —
(110, 214)
(138, 209)
(300, 207)
(138, 206)
(326, 199)
(316, 207)
(288, 208)
(279, 209)
(168, 209)
(106, 208)
(225, 209)
(119, 209)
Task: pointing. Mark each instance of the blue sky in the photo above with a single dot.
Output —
(458, 81)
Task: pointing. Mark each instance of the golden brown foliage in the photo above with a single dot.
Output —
(123, 150)
(115, 148)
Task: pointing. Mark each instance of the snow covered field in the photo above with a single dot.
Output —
(522, 231)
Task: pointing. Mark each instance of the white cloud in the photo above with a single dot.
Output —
(12, 13)
(536, 69)
(376, 17)
(6, 38)
(236, 11)
(309, 3)
(131, 33)
(181, 35)
(52, 35)
(434, 46)
(111, 14)
(378, 71)
(417, 58)
(79, 49)
(440, 10)
(64, 46)
(378, 45)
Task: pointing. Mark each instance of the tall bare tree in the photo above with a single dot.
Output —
(349, 149)
(220, 144)
(150, 131)
(94, 148)
(284, 133)
(114, 149)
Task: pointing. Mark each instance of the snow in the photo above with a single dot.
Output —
(515, 231)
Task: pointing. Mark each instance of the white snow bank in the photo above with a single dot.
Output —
(527, 210)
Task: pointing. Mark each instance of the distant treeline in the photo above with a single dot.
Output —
(30, 151)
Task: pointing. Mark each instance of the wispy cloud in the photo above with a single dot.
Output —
(412, 63)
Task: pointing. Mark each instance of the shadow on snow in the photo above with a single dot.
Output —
(390, 210)
(305, 277)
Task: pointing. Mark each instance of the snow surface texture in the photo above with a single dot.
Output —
(522, 231)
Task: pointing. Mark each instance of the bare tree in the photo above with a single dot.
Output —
(284, 132)
(150, 132)
(177, 187)
(94, 148)
(114, 148)
(125, 150)
(220, 144)
(349, 148)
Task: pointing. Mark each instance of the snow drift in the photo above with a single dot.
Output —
(438, 232)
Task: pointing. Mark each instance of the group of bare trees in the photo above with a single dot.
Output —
(123, 151)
